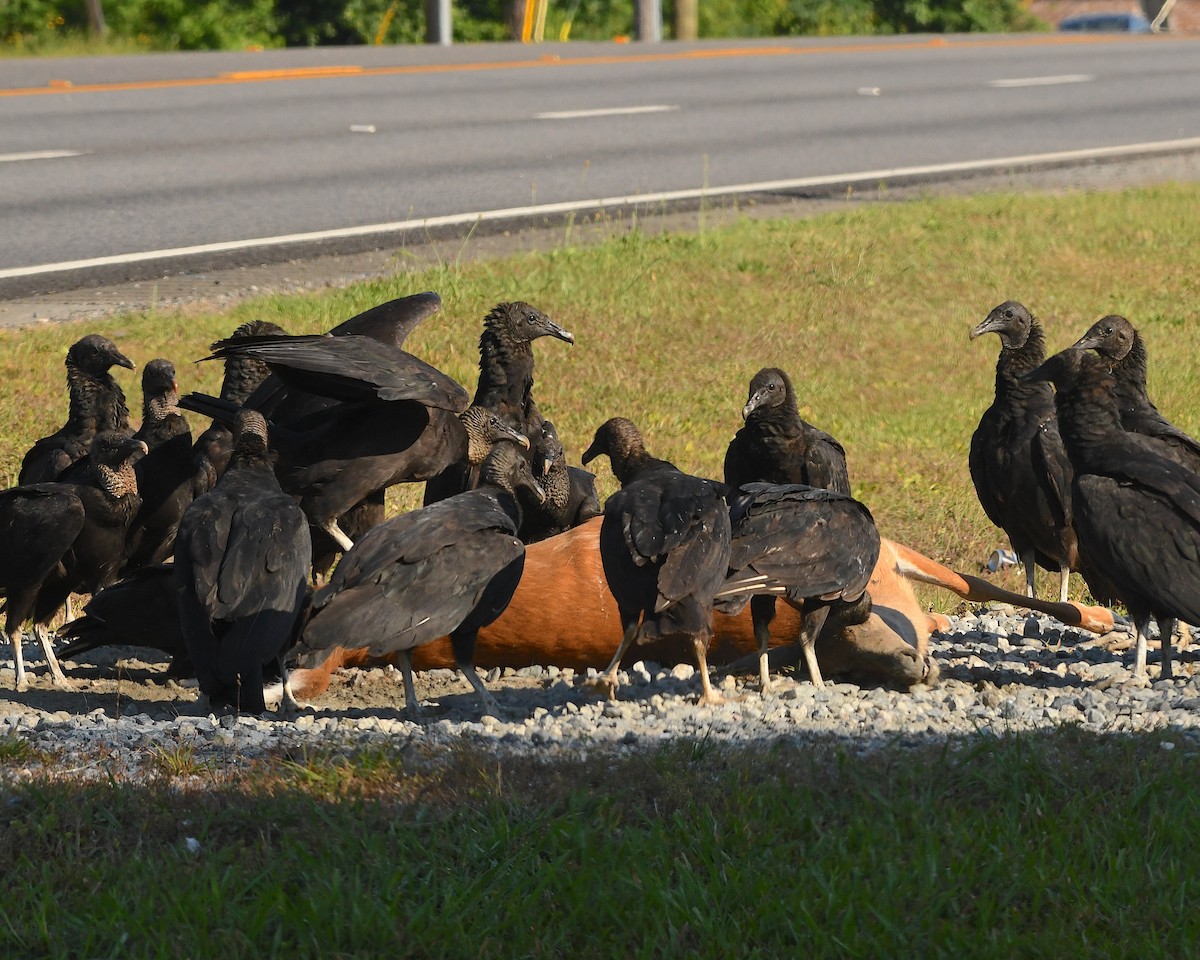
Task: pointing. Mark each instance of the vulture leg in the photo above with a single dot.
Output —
(709, 695)
(43, 638)
(412, 705)
(331, 527)
(607, 682)
(762, 612)
(810, 628)
(486, 700)
(1141, 625)
(288, 699)
(1030, 565)
(1166, 632)
(18, 660)
(1064, 583)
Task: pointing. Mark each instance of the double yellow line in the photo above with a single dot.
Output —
(534, 20)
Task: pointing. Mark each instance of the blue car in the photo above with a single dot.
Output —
(1106, 23)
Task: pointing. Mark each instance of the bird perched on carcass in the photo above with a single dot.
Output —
(65, 537)
(775, 445)
(664, 546)
(350, 415)
(242, 558)
(571, 497)
(1137, 513)
(1020, 470)
(814, 548)
(447, 568)
(505, 383)
(1116, 340)
(96, 403)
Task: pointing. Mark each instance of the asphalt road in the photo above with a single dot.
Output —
(110, 167)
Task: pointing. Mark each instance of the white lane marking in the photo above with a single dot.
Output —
(1043, 81)
(568, 206)
(605, 112)
(39, 155)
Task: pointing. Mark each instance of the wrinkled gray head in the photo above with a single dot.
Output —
(1112, 337)
(618, 439)
(506, 467)
(158, 378)
(114, 449)
(547, 450)
(484, 428)
(519, 322)
(250, 424)
(95, 355)
(1011, 320)
(769, 390)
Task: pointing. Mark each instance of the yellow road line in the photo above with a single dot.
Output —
(554, 60)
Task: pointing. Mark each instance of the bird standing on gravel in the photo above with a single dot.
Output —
(65, 537)
(1137, 513)
(242, 558)
(1020, 470)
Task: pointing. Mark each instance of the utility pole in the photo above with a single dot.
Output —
(438, 22)
(649, 20)
(95, 11)
(687, 19)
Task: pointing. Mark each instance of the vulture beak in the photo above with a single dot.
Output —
(1088, 341)
(120, 360)
(552, 329)
(755, 401)
(590, 454)
(988, 325)
(539, 492)
(516, 436)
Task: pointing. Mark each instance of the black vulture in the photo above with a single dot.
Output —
(65, 537)
(169, 476)
(285, 403)
(448, 568)
(241, 573)
(664, 546)
(394, 419)
(506, 362)
(571, 497)
(96, 403)
(1020, 470)
(1116, 340)
(243, 375)
(814, 548)
(1137, 513)
(505, 381)
(141, 610)
(775, 445)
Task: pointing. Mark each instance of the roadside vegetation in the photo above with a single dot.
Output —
(1060, 844)
(62, 27)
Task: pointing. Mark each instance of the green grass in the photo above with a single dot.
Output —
(867, 309)
(996, 847)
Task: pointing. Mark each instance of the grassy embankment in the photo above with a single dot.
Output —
(1066, 845)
